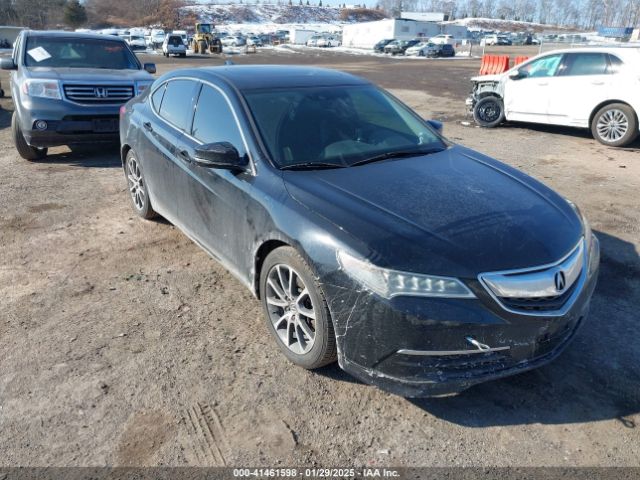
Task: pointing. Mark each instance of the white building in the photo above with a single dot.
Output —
(367, 34)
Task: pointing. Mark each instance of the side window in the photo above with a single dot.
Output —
(214, 120)
(176, 103)
(585, 64)
(614, 64)
(156, 97)
(542, 67)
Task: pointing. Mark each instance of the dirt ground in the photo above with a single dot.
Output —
(122, 343)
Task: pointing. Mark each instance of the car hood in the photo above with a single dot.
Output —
(455, 212)
(93, 75)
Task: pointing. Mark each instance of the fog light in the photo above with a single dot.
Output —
(41, 125)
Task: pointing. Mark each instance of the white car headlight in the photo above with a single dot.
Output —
(142, 85)
(391, 283)
(42, 88)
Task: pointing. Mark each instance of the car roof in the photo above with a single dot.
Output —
(252, 77)
(63, 34)
(630, 52)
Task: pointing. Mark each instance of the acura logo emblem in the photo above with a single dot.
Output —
(100, 92)
(560, 281)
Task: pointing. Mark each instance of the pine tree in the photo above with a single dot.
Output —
(74, 14)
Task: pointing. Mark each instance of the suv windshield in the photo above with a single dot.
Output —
(61, 52)
(337, 126)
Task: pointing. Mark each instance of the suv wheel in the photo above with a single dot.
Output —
(138, 187)
(489, 112)
(295, 310)
(615, 125)
(25, 150)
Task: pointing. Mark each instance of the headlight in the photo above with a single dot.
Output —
(391, 283)
(142, 85)
(42, 88)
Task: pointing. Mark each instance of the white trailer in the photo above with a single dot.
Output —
(300, 36)
(367, 34)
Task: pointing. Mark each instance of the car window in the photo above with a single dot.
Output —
(156, 97)
(614, 64)
(585, 64)
(214, 120)
(178, 98)
(542, 67)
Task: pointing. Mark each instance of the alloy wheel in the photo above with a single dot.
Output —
(612, 125)
(489, 112)
(291, 309)
(136, 185)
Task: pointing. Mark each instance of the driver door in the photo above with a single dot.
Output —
(527, 97)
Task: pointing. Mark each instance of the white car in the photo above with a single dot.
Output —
(136, 42)
(442, 39)
(156, 38)
(328, 41)
(596, 88)
(313, 40)
(173, 45)
(234, 41)
(421, 49)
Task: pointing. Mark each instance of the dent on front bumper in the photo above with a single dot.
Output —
(419, 347)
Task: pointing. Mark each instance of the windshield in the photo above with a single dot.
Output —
(342, 126)
(205, 28)
(60, 52)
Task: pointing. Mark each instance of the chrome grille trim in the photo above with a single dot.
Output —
(98, 94)
(535, 283)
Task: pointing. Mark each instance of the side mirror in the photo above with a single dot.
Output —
(150, 67)
(220, 155)
(436, 125)
(8, 64)
(516, 75)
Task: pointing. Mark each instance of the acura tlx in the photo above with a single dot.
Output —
(421, 266)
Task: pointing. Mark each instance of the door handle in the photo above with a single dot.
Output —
(147, 126)
(184, 155)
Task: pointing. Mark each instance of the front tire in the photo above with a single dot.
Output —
(138, 191)
(489, 112)
(615, 125)
(25, 150)
(295, 310)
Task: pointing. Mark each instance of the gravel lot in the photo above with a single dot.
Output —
(122, 343)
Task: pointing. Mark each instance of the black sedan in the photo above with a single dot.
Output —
(422, 266)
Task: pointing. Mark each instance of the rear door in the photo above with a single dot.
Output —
(583, 81)
(171, 105)
(527, 98)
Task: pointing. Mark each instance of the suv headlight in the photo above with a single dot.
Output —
(42, 88)
(142, 85)
(391, 283)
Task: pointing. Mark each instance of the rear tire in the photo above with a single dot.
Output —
(296, 314)
(615, 125)
(25, 150)
(489, 112)
(137, 185)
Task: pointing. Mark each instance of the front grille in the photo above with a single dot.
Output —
(99, 94)
(539, 304)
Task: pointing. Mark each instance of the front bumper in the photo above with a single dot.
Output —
(419, 347)
(67, 123)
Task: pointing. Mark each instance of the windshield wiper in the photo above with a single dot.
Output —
(397, 154)
(311, 166)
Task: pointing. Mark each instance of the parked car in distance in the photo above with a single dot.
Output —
(234, 41)
(67, 88)
(174, 45)
(1, 91)
(337, 236)
(443, 38)
(398, 47)
(255, 40)
(496, 40)
(328, 41)
(379, 47)
(156, 38)
(427, 49)
(136, 42)
(594, 88)
(313, 40)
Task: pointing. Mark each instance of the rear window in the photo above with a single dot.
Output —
(78, 52)
(586, 64)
